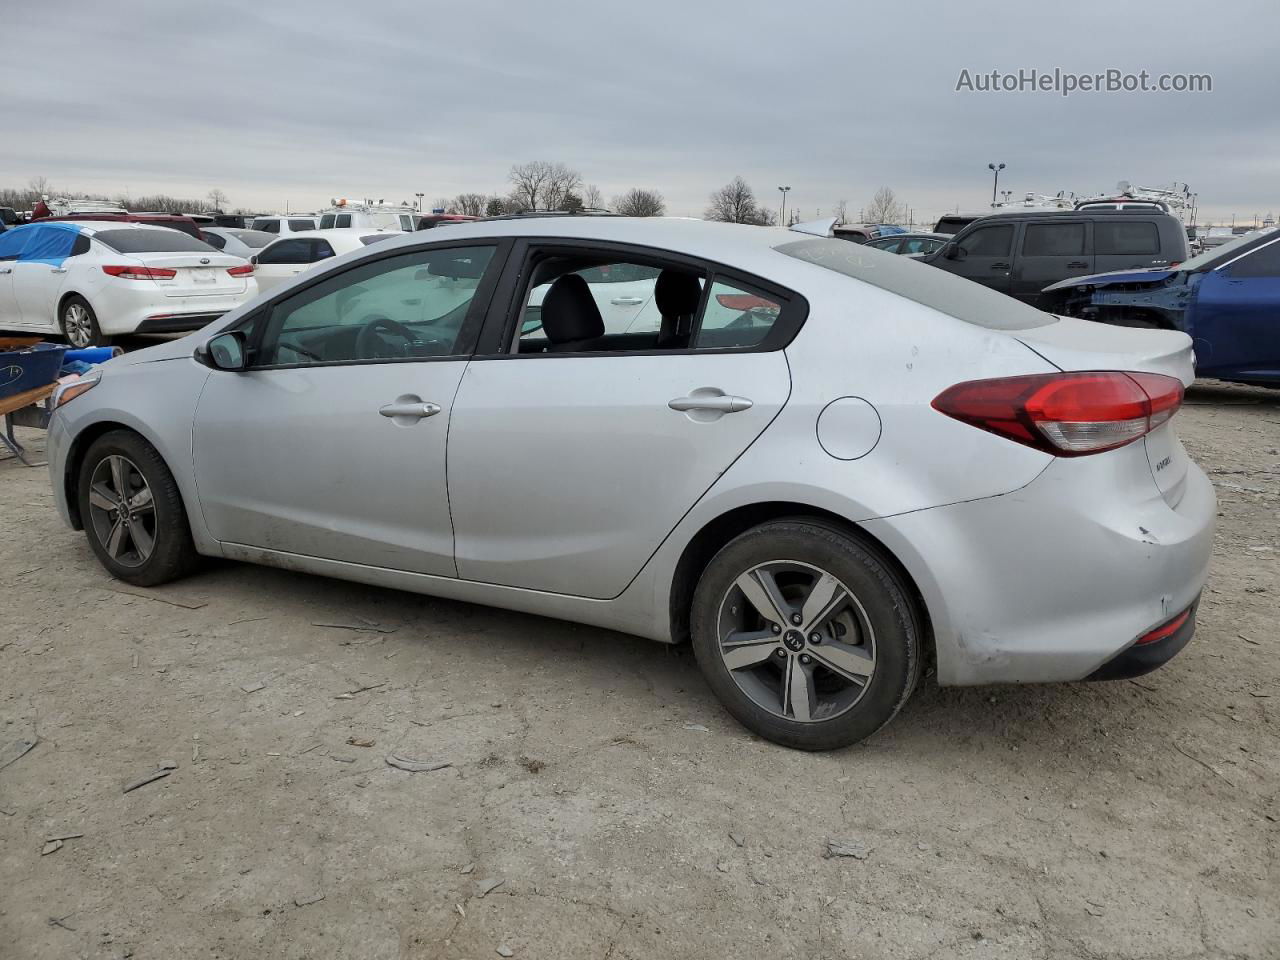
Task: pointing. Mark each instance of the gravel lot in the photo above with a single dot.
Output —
(593, 776)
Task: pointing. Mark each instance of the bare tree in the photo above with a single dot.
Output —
(542, 185)
(840, 211)
(640, 203)
(497, 207)
(592, 198)
(443, 204)
(884, 207)
(470, 204)
(39, 187)
(216, 198)
(735, 202)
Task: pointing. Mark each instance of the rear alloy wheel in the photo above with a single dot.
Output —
(79, 325)
(806, 635)
(132, 511)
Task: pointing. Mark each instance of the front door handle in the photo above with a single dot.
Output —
(58, 270)
(412, 411)
(626, 301)
(4, 270)
(1077, 264)
(718, 404)
(999, 266)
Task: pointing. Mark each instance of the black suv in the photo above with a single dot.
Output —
(1022, 253)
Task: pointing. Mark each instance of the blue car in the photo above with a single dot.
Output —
(1227, 299)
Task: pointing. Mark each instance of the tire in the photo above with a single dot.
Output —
(153, 544)
(79, 324)
(833, 701)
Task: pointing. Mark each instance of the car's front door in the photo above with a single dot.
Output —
(1049, 251)
(984, 255)
(1235, 317)
(282, 261)
(332, 444)
(567, 469)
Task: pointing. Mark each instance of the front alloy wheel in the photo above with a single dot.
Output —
(122, 511)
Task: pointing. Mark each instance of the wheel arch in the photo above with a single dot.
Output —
(717, 532)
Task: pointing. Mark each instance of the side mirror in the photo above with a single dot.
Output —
(953, 251)
(226, 351)
(254, 259)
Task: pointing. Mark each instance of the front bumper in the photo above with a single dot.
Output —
(1051, 582)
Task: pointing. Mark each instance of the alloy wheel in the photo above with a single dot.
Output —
(122, 510)
(76, 325)
(796, 640)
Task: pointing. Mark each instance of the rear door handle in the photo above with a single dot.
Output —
(413, 411)
(6, 270)
(626, 301)
(1077, 263)
(720, 404)
(999, 266)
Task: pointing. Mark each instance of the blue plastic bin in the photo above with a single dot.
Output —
(31, 367)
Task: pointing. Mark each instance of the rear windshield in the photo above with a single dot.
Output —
(943, 291)
(252, 238)
(151, 241)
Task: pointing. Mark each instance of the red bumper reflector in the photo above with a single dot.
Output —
(1168, 630)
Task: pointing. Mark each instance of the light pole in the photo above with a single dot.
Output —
(995, 168)
(419, 196)
(782, 219)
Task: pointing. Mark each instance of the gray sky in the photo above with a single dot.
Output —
(277, 102)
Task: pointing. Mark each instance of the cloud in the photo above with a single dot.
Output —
(298, 102)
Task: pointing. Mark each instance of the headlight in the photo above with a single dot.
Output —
(67, 392)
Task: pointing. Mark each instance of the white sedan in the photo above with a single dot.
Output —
(281, 261)
(89, 280)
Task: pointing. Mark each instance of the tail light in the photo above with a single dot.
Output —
(244, 270)
(140, 273)
(1066, 414)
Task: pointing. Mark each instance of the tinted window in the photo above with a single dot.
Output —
(1262, 262)
(217, 241)
(1110, 237)
(989, 241)
(735, 318)
(151, 241)
(919, 245)
(343, 220)
(297, 226)
(326, 221)
(267, 226)
(890, 244)
(288, 251)
(252, 238)
(321, 249)
(406, 222)
(1053, 240)
(412, 305)
(620, 273)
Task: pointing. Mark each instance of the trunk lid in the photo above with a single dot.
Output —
(198, 274)
(1073, 344)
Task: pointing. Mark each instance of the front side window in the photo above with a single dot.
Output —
(287, 251)
(919, 245)
(1053, 240)
(343, 220)
(1125, 238)
(267, 225)
(411, 306)
(994, 241)
(297, 226)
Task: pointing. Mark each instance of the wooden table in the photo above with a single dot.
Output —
(20, 402)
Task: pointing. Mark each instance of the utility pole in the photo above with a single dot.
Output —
(782, 216)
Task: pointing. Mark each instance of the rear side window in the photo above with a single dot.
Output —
(1125, 238)
(267, 226)
(995, 241)
(151, 241)
(217, 241)
(297, 226)
(940, 290)
(1053, 240)
(734, 317)
(321, 249)
(344, 220)
(1262, 262)
(326, 221)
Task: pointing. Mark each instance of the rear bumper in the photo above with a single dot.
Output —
(172, 323)
(1140, 658)
(1057, 580)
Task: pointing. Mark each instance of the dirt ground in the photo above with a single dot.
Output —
(595, 780)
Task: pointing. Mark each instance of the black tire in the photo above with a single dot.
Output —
(890, 612)
(78, 332)
(173, 553)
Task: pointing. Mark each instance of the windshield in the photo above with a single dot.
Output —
(1220, 254)
(151, 241)
(939, 289)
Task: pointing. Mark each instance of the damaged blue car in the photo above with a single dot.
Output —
(1227, 299)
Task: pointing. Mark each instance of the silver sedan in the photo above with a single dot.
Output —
(833, 469)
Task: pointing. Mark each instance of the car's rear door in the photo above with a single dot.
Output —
(984, 255)
(1050, 250)
(568, 469)
(332, 444)
(1121, 243)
